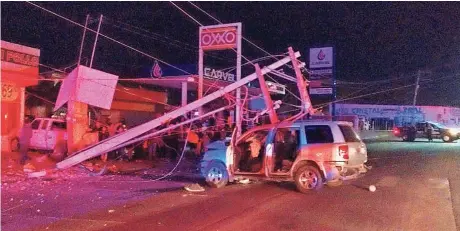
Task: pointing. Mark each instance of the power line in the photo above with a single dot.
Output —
(107, 37)
(360, 96)
(247, 40)
(154, 36)
(183, 11)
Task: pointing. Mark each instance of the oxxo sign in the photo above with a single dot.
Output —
(218, 38)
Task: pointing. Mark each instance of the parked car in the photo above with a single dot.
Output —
(309, 153)
(46, 132)
(419, 130)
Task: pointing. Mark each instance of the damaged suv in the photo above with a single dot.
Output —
(309, 153)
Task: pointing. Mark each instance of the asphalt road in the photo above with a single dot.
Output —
(418, 188)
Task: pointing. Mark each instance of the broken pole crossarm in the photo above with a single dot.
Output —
(116, 140)
(266, 94)
(284, 76)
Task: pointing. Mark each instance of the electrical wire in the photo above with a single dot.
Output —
(218, 21)
(244, 57)
(107, 37)
(194, 49)
(374, 93)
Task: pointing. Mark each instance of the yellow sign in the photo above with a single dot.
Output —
(9, 92)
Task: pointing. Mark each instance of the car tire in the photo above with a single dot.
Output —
(14, 144)
(405, 138)
(446, 138)
(216, 175)
(308, 178)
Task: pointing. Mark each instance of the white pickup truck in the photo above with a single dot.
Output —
(46, 132)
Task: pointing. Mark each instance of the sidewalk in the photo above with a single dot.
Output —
(13, 175)
(31, 202)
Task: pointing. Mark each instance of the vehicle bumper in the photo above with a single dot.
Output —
(345, 172)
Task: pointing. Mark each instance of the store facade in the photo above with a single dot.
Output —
(19, 70)
(385, 117)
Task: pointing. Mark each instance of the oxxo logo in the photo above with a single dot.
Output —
(219, 38)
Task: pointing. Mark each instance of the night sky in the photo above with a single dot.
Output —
(373, 40)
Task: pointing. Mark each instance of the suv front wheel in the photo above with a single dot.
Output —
(216, 175)
(308, 178)
(446, 138)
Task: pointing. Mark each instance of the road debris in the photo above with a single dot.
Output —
(194, 188)
(244, 181)
(29, 168)
(372, 188)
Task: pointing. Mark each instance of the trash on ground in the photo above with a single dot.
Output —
(29, 168)
(244, 181)
(372, 188)
(194, 188)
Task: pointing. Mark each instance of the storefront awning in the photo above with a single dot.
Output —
(192, 83)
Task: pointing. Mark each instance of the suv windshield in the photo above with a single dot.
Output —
(349, 134)
(437, 125)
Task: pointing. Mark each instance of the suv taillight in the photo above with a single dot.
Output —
(396, 131)
(343, 152)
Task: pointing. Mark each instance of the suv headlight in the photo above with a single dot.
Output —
(454, 131)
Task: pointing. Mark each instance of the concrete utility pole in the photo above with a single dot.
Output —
(417, 85)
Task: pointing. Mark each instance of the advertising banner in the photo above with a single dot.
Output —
(321, 57)
(321, 71)
(219, 38)
(215, 74)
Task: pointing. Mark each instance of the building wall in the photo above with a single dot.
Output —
(19, 68)
(397, 115)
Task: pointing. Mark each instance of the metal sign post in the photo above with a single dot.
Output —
(221, 37)
(83, 39)
(95, 42)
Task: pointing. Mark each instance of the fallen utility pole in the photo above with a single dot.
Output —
(301, 84)
(268, 100)
(117, 140)
(148, 136)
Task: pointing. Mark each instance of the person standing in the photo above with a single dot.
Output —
(103, 134)
(24, 139)
(429, 132)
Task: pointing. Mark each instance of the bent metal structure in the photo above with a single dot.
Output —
(141, 132)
